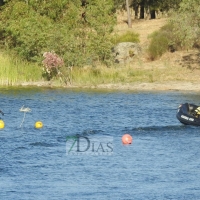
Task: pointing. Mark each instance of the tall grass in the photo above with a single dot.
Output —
(14, 71)
(94, 76)
(103, 75)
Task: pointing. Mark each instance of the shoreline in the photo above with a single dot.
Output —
(138, 86)
(155, 86)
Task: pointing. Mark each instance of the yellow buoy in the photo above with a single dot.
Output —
(2, 125)
(38, 124)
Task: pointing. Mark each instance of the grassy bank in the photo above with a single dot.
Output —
(14, 70)
(146, 72)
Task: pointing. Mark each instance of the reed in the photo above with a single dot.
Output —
(14, 71)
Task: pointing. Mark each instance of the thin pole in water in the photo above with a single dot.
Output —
(23, 119)
(25, 110)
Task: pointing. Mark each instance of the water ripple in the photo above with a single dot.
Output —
(161, 163)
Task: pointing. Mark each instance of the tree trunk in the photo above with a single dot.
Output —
(153, 14)
(1, 3)
(136, 9)
(142, 11)
(128, 13)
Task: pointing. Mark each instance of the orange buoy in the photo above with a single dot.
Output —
(126, 139)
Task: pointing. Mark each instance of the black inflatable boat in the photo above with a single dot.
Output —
(187, 114)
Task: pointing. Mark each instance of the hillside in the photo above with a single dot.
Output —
(189, 58)
(173, 71)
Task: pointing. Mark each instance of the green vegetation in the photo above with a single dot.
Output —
(158, 45)
(89, 76)
(14, 71)
(105, 75)
(80, 32)
(126, 37)
(186, 26)
(160, 42)
(181, 32)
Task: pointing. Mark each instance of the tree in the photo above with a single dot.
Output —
(1, 2)
(77, 30)
(100, 19)
(128, 13)
(186, 23)
(148, 6)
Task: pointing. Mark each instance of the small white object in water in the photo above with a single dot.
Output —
(23, 109)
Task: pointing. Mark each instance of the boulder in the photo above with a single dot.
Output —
(125, 52)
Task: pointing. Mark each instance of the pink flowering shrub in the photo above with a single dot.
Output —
(52, 62)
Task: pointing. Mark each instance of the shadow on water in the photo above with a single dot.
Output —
(162, 129)
(43, 144)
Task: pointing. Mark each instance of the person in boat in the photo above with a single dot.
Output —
(197, 112)
(1, 112)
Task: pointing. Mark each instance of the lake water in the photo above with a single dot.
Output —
(163, 162)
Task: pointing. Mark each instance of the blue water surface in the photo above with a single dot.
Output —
(163, 162)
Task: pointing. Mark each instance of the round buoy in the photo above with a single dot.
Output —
(38, 124)
(126, 139)
(2, 124)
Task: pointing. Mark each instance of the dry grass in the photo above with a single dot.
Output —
(159, 71)
(143, 27)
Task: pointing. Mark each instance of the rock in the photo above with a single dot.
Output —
(125, 52)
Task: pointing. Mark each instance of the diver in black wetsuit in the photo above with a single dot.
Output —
(1, 112)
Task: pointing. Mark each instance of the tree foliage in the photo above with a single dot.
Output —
(78, 32)
(182, 31)
(186, 23)
(161, 41)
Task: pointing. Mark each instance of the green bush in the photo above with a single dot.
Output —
(126, 37)
(186, 26)
(25, 36)
(158, 45)
(162, 41)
